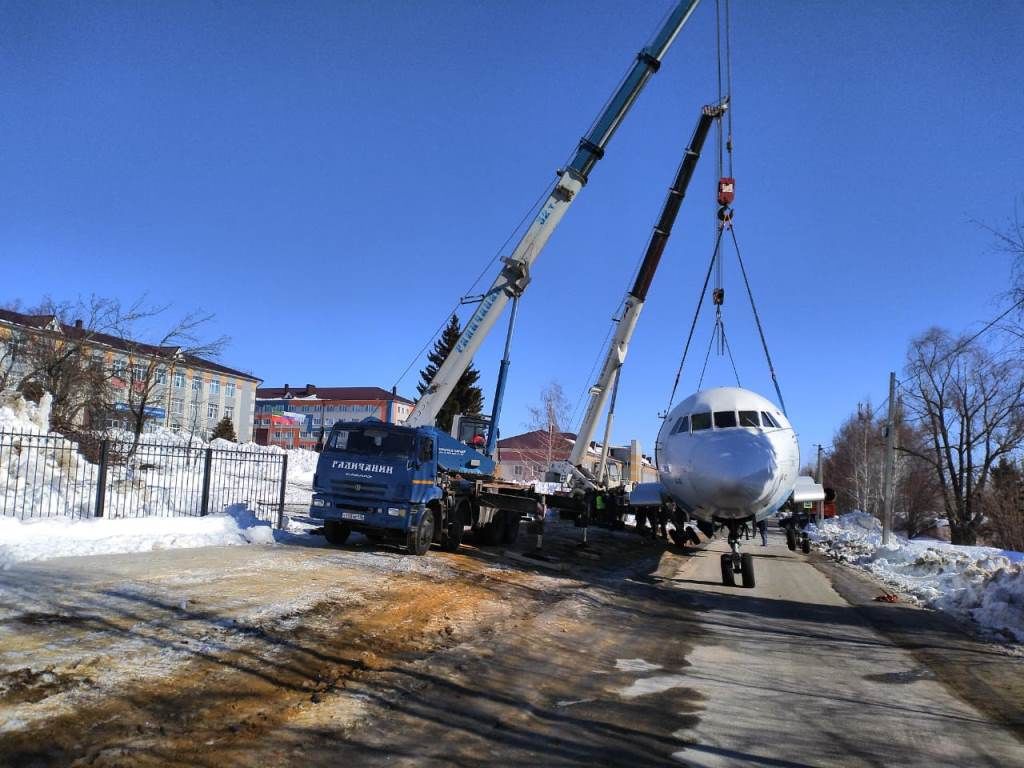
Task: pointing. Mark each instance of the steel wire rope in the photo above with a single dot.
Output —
(576, 418)
(494, 258)
(757, 320)
(693, 325)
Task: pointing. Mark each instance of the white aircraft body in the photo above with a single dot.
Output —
(728, 455)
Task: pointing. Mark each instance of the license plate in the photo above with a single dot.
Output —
(352, 516)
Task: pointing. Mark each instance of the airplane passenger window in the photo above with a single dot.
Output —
(700, 421)
(749, 419)
(725, 419)
(682, 425)
(768, 420)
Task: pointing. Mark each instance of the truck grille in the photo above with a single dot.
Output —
(359, 488)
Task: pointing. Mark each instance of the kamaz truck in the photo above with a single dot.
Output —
(412, 486)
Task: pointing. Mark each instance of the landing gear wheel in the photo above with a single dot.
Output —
(805, 545)
(747, 566)
(791, 539)
(336, 533)
(510, 531)
(727, 575)
(418, 539)
(453, 533)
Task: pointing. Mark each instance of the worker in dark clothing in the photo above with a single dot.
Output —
(665, 511)
(640, 516)
(762, 528)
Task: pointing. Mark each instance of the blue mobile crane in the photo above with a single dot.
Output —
(415, 484)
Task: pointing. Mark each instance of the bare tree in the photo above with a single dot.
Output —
(1004, 506)
(147, 364)
(550, 419)
(970, 405)
(50, 358)
(854, 468)
(1009, 239)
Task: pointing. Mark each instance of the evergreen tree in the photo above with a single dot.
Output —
(225, 430)
(466, 397)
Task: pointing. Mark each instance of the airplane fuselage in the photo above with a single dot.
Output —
(728, 454)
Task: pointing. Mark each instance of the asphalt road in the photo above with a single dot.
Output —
(671, 668)
(634, 655)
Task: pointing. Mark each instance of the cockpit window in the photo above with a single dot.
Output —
(768, 420)
(682, 425)
(725, 419)
(749, 419)
(700, 421)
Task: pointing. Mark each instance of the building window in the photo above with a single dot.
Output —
(197, 384)
(229, 389)
(193, 410)
(179, 380)
(138, 372)
(214, 386)
(517, 470)
(119, 369)
(177, 406)
(161, 375)
(211, 410)
(229, 411)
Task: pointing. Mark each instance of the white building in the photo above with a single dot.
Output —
(187, 393)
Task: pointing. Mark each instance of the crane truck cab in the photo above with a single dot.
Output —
(408, 485)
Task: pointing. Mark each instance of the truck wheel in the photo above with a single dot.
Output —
(336, 533)
(511, 528)
(418, 539)
(747, 569)
(805, 545)
(493, 532)
(456, 521)
(791, 539)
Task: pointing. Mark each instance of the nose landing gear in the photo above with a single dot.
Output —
(734, 562)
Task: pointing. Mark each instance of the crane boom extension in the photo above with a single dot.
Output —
(637, 295)
(515, 274)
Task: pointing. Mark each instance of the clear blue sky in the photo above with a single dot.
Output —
(329, 177)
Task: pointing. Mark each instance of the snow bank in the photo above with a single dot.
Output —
(984, 584)
(43, 539)
(48, 477)
(19, 415)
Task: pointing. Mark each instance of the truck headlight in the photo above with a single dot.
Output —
(319, 502)
(396, 511)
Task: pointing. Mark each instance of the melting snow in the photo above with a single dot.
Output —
(984, 584)
(656, 684)
(635, 665)
(46, 538)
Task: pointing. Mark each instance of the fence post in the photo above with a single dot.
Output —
(284, 483)
(101, 478)
(207, 465)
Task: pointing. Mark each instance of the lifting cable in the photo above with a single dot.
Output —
(693, 325)
(724, 221)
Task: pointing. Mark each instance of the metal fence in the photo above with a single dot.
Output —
(50, 476)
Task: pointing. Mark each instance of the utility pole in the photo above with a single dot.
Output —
(888, 481)
(817, 479)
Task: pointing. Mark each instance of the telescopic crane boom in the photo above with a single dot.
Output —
(634, 302)
(515, 274)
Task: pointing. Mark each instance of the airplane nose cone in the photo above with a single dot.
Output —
(737, 474)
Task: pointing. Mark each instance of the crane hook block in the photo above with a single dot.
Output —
(725, 214)
(726, 190)
(718, 296)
